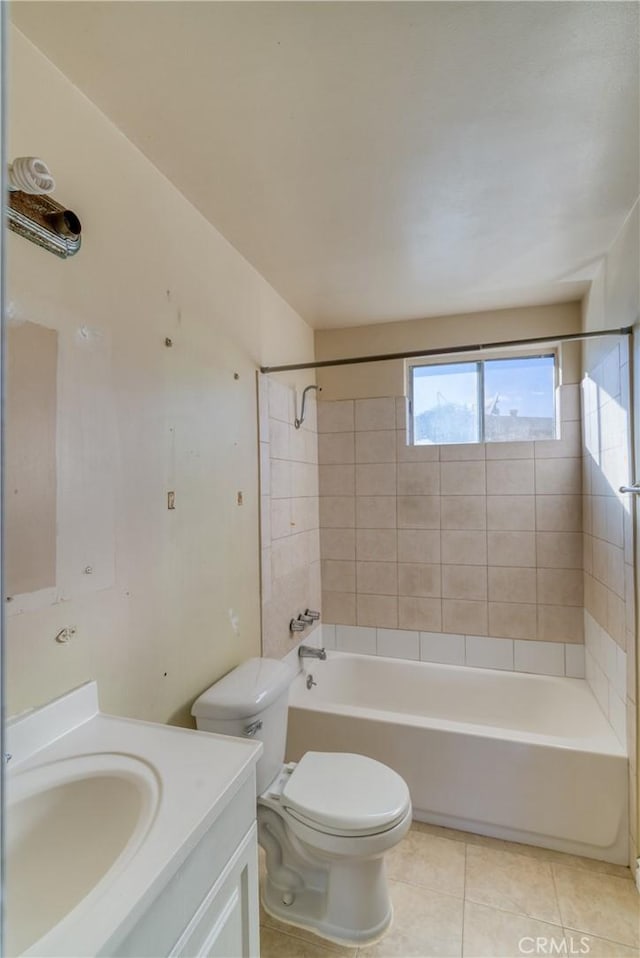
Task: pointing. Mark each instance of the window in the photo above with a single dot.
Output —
(491, 400)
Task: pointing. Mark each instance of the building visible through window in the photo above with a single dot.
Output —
(493, 400)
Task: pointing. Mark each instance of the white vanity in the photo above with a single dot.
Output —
(127, 838)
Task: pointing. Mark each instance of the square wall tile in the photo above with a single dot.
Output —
(377, 578)
(558, 477)
(543, 658)
(462, 478)
(377, 446)
(511, 513)
(406, 452)
(560, 586)
(376, 413)
(336, 448)
(418, 479)
(574, 661)
(462, 452)
(463, 512)
(559, 550)
(336, 480)
(376, 479)
(560, 623)
(377, 610)
(570, 402)
(337, 512)
(464, 582)
(488, 653)
(463, 548)
(421, 614)
(355, 638)
(512, 549)
(509, 450)
(513, 585)
(418, 545)
(559, 513)
(419, 579)
(376, 512)
(398, 643)
(418, 512)
(512, 620)
(339, 607)
(568, 445)
(336, 416)
(338, 575)
(461, 616)
(377, 545)
(510, 477)
(444, 648)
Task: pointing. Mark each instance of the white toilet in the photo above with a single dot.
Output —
(324, 823)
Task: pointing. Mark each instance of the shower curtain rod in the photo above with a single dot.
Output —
(450, 351)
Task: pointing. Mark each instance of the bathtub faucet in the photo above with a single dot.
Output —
(309, 652)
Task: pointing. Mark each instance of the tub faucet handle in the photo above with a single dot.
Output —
(314, 616)
(297, 626)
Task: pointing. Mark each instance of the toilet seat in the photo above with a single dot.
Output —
(343, 794)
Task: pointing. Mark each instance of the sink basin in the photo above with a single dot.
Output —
(71, 826)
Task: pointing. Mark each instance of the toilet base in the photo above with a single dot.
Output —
(351, 907)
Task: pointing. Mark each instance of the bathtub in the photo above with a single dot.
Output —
(528, 758)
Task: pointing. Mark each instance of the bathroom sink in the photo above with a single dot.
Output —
(72, 825)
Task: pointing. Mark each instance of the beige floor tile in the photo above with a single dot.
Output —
(511, 882)
(531, 851)
(600, 905)
(424, 859)
(597, 947)
(426, 924)
(274, 944)
(498, 934)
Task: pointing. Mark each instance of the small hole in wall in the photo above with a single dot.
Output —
(165, 674)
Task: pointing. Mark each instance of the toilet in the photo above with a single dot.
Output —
(324, 822)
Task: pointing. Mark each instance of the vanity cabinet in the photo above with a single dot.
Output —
(209, 907)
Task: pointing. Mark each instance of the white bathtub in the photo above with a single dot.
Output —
(529, 758)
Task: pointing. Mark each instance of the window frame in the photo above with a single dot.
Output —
(480, 362)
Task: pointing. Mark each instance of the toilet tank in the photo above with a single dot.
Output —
(255, 692)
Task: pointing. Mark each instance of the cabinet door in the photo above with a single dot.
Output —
(226, 923)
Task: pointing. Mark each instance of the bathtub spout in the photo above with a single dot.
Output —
(309, 652)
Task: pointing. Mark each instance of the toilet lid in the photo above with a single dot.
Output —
(345, 794)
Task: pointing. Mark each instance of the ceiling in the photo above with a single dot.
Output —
(378, 161)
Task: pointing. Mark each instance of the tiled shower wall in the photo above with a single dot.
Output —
(609, 590)
(290, 541)
(459, 540)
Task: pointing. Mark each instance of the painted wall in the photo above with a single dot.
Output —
(612, 540)
(163, 602)
(387, 379)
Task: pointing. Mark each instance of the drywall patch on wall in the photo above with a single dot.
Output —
(30, 458)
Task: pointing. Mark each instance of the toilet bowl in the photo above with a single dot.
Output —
(324, 823)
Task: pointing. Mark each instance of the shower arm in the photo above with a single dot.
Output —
(298, 422)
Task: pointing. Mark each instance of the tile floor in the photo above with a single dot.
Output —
(461, 894)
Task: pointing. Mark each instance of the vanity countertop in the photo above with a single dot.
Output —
(187, 779)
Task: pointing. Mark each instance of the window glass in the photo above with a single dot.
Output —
(445, 404)
(519, 401)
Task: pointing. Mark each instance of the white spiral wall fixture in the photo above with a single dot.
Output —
(31, 175)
